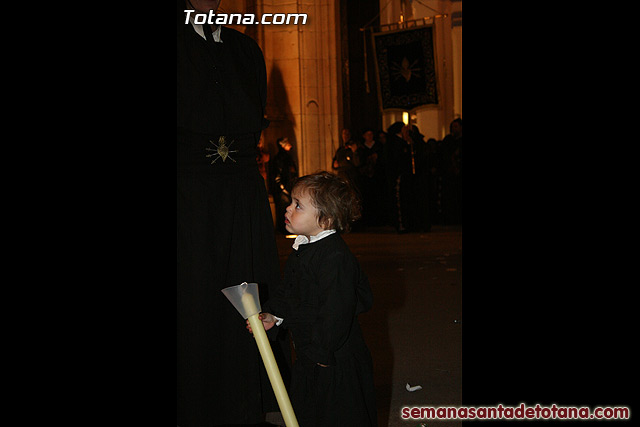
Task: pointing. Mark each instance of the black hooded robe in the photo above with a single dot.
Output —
(225, 231)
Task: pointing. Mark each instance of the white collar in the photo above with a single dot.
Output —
(198, 28)
(302, 240)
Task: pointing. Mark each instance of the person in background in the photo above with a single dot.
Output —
(421, 181)
(452, 179)
(400, 175)
(347, 161)
(262, 158)
(283, 172)
(372, 180)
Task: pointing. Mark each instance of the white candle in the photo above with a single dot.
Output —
(249, 304)
(272, 370)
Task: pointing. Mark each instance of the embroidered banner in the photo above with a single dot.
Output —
(406, 68)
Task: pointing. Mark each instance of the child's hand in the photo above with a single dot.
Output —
(268, 320)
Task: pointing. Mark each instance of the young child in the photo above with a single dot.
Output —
(322, 294)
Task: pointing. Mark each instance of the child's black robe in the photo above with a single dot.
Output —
(323, 292)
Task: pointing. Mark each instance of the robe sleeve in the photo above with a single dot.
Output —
(279, 307)
(278, 304)
(338, 299)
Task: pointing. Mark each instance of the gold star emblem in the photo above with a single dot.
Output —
(221, 150)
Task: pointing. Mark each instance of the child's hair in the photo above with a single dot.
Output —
(335, 199)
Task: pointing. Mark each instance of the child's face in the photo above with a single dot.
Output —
(301, 217)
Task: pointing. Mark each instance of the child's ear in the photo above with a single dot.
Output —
(330, 224)
(325, 223)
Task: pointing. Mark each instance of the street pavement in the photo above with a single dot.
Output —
(414, 330)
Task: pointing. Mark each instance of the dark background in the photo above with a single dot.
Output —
(548, 194)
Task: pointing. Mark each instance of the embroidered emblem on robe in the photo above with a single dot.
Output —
(221, 150)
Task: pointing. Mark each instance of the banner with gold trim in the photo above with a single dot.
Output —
(405, 68)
